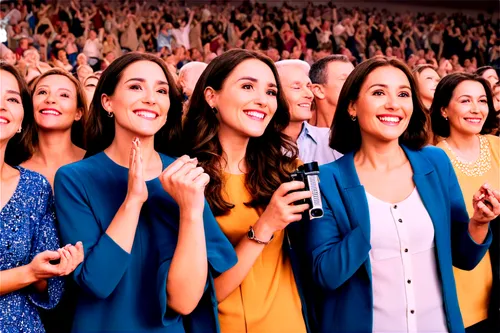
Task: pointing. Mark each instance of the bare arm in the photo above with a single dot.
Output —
(40, 269)
(123, 227)
(187, 275)
(478, 232)
(191, 16)
(15, 279)
(185, 290)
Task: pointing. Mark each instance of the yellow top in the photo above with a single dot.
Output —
(267, 301)
(474, 287)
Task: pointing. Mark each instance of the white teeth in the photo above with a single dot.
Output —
(3, 121)
(255, 114)
(305, 105)
(473, 120)
(52, 112)
(390, 119)
(146, 114)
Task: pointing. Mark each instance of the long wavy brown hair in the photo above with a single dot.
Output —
(270, 158)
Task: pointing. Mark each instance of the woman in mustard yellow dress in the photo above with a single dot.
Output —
(462, 113)
(234, 127)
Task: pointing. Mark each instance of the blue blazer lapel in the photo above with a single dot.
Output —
(354, 197)
(431, 192)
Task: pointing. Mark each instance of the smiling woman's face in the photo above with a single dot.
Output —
(247, 100)
(384, 106)
(11, 106)
(55, 103)
(427, 82)
(468, 108)
(140, 102)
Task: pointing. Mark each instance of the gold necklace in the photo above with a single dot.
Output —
(475, 168)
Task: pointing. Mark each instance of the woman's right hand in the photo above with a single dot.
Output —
(69, 258)
(281, 211)
(186, 183)
(137, 189)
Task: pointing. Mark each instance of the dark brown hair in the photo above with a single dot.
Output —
(268, 166)
(442, 98)
(346, 134)
(101, 128)
(15, 152)
(30, 139)
(480, 71)
(420, 68)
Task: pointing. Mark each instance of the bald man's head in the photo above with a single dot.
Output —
(189, 75)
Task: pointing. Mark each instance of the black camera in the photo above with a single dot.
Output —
(309, 175)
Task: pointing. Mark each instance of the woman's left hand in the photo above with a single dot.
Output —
(486, 203)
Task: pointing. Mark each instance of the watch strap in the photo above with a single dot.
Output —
(251, 236)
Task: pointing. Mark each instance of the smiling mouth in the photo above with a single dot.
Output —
(4, 121)
(149, 115)
(389, 120)
(50, 112)
(473, 120)
(255, 115)
(305, 105)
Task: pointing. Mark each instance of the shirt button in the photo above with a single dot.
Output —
(412, 311)
(409, 281)
(406, 250)
(400, 220)
(395, 206)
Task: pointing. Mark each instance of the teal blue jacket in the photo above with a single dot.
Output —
(339, 242)
(120, 291)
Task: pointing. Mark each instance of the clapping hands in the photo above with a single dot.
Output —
(69, 256)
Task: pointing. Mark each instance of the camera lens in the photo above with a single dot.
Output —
(316, 212)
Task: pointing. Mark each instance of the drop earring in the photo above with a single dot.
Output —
(353, 118)
(20, 129)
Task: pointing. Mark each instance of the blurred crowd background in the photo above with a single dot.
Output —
(86, 36)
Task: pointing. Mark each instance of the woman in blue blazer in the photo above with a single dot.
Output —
(395, 220)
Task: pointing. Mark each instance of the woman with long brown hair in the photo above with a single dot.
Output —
(54, 137)
(152, 245)
(427, 79)
(234, 127)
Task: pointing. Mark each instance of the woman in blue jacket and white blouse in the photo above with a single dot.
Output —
(395, 220)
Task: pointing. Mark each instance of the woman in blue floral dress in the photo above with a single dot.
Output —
(31, 262)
